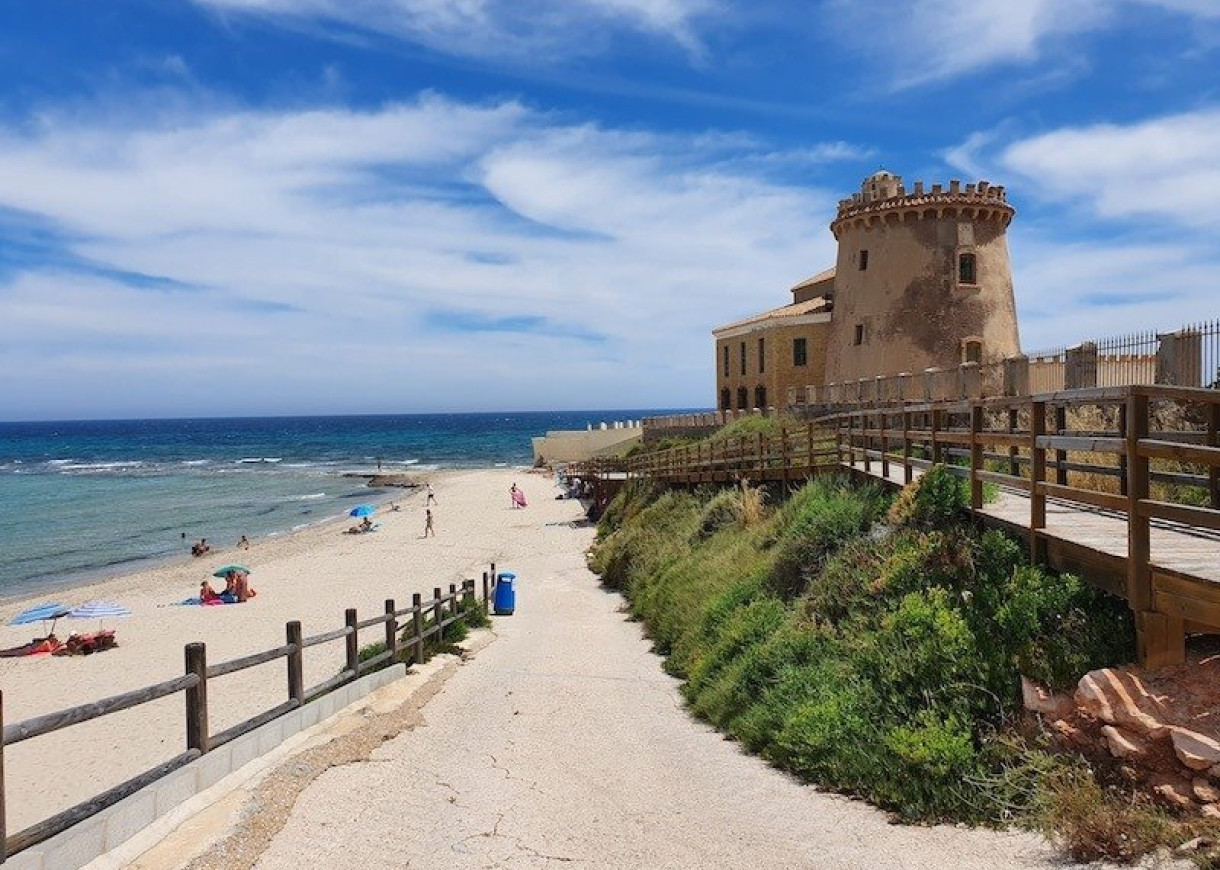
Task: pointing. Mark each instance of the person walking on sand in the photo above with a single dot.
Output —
(428, 530)
(244, 543)
(431, 496)
(512, 494)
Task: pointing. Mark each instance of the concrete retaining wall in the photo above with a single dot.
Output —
(83, 843)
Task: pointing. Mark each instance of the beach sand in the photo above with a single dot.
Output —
(311, 576)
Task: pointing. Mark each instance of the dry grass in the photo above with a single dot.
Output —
(753, 504)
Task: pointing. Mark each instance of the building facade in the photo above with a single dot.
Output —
(922, 280)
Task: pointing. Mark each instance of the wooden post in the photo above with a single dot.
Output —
(453, 600)
(864, 422)
(1213, 440)
(1037, 476)
(976, 457)
(391, 629)
(783, 454)
(3, 811)
(1061, 456)
(908, 472)
(758, 442)
(438, 614)
(417, 620)
(197, 698)
(1123, 484)
(486, 593)
(938, 455)
(296, 663)
(809, 458)
(851, 440)
(1139, 589)
(885, 445)
(1014, 467)
(352, 642)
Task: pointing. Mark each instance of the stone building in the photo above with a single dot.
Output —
(922, 280)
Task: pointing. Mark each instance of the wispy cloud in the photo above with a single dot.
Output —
(592, 258)
(536, 30)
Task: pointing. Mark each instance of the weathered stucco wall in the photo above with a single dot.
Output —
(779, 371)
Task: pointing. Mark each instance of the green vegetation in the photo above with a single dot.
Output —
(870, 647)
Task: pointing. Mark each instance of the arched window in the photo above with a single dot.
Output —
(966, 269)
(743, 399)
(760, 397)
(726, 400)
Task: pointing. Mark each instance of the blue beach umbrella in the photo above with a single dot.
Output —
(50, 610)
(230, 569)
(361, 510)
(98, 610)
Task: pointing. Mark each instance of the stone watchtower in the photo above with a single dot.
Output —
(922, 279)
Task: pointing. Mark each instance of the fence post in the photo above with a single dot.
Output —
(296, 663)
(1061, 456)
(885, 445)
(783, 454)
(352, 642)
(1014, 467)
(438, 614)
(758, 442)
(864, 424)
(1124, 487)
(3, 811)
(391, 630)
(1213, 440)
(486, 593)
(809, 458)
(197, 698)
(1037, 474)
(976, 457)
(937, 425)
(467, 593)
(453, 600)
(417, 619)
(908, 473)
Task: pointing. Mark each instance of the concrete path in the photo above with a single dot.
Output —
(564, 743)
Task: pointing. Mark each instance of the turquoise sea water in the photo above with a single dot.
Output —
(88, 498)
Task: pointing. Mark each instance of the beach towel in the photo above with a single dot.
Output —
(519, 498)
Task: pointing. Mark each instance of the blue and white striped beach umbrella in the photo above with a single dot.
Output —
(50, 610)
(98, 610)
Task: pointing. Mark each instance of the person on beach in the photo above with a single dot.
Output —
(244, 543)
(512, 494)
(431, 499)
(428, 530)
(202, 548)
(366, 525)
(206, 593)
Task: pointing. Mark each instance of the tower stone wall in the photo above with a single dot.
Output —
(922, 279)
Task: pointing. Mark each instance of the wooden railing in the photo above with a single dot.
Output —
(1142, 453)
(795, 453)
(444, 608)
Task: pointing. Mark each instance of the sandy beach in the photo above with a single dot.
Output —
(311, 576)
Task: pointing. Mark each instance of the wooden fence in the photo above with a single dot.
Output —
(444, 608)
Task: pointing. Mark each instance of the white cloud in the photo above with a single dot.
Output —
(532, 30)
(308, 255)
(922, 41)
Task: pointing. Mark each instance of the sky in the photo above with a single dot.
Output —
(248, 207)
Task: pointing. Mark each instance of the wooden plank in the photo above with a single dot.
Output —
(296, 662)
(1199, 517)
(352, 642)
(1004, 439)
(49, 722)
(417, 618)
(1002, 479)
(1061, 456)
(372, 620)
(327, 636)
(243, 662)
(1139, 577)
(1154, 449)
(1105, 500)
(1200, 612)
(230, 734)
(344, 676)
(1166, 581)
(1064, 443)
(60, 822)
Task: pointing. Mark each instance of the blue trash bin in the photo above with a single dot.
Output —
(506, 598)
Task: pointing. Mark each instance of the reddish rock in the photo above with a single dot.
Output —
(1120, 698)
(1174, 791)
(1197, 751)
(1205, 790)
(1214, 772)
(1039, 700)
(1210, 811)
(1124, 744)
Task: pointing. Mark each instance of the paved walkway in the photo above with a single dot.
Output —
(564, 743)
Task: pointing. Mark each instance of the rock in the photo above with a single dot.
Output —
(1069, 733)
(1214, 772)
(1124, 744)
(1205, 790)
(1119, 698)
(1040, 700)
(1192, 846)
(1173, 791)
(1210, 811)
(1197, 751)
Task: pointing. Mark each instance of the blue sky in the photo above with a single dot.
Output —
(216, 207)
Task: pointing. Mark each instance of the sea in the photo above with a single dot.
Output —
(83, 500)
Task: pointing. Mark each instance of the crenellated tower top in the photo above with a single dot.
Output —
(884, 197)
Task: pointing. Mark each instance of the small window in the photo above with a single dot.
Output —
(863, 260)
(799, 352)
(762, 355)
(743, 357)
(973, 351)
(725, 356)
(726, 400)
(966, 271)
(743, 399)
(859, 334)
(760, 397)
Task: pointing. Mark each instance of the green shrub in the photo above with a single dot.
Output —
(936, 498)
(724, 511)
